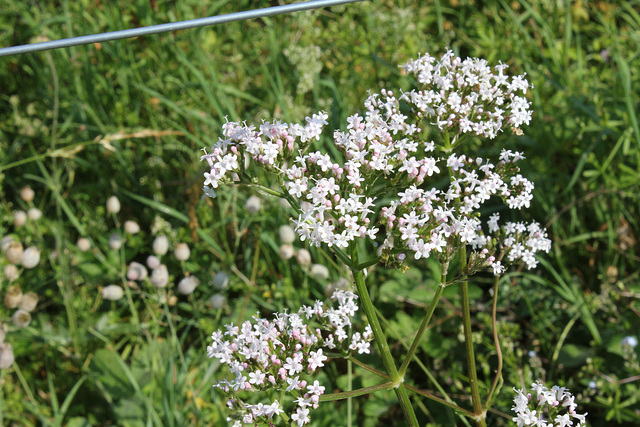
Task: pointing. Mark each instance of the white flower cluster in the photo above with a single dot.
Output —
(273, 355)
(545, 410)
(387, 160)
(427, 221)
(465, 96)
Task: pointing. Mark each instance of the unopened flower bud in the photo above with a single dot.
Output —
(153, 262)
(160, 276)
(253, 204)
(113, 205)
(29, 301)
(220, 280)
(19, 218)
(83, 244)
(286, 252)
(188, 285)
(21, 318)
(27, 194)
(131, 227)
(34, 214)
(11, 272)
(319, 272)
(172, 300)
(112, 292)
(304, 257)
(182, 252)
(13, 253)
(161, 245)
(136, 271)
(6, 355)
(13, 297)
(218, 301)
(30, 257)
(287, 235)
(115, 242)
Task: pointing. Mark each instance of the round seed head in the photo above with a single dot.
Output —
(83, 244)
(161, 245)
(113, 205)
(182, 252)
(13, 297)
(30, 257)
(21, 318)
(131, 227)
(27, 194)
(112, 292)
(14, 251)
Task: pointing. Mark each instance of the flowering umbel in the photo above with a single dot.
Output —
(550, 408)
(382, 183)
(277, 355)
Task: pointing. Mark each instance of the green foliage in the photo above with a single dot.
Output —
(129, 117)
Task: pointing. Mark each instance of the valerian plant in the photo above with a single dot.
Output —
(383, 191)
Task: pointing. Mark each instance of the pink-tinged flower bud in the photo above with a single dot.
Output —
(6, 355)
(11, 272)
(14, 251)
(161, 245)
(218, 301)
(13, 297)
(21, 318)
(272, 379)
(19, 218)
(153, 262)
(34, 214)
(113, 205)
(286, 252)
(220, 280)
(27, 194)
(131, 227)
(136, 271)
(160, 276)
(83, 244)
(187, 285)
(112, 292)
(29, 301)
(30, 257)
(303, 384)
(182, 252)
(304, 257)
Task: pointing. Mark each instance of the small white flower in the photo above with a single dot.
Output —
(187, 285)
(19, 218)
(161, 245)
(159, 276)
(30, 257)
(112, 292)
(6, 355)
(253, 204)
(34, 214)
(220, 280)
(113, 205)
(287, 234)
(115, 241)
(83, 244)
(131, 227)
(182, 252)
(27, 194)
(21, 318)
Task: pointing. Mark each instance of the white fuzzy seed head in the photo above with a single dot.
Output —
(160, 276)
(21, 318)
(287, 234)
(131, 227)
(182, 252)
(153, 262)
(220, 280)
(218, 301)
(112, 292)
(29, 301)
(253, 204)
(13, 297)
(30, 257)
(115, 241)
(6, 355)
(19, 218)
(34, 214)
(304, 257)
(187, 285)
(11, 272)
(27, 194)
(286, 252)
(83, 244)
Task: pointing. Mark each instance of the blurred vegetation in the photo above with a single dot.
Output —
(128, 118)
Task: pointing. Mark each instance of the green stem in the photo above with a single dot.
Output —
(381, 341)
(496, 341)
(425, 321)
(468, 341)
(354, 393)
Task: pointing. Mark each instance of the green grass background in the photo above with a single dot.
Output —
(128, 118)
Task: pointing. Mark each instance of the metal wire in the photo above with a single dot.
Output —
(173, 26)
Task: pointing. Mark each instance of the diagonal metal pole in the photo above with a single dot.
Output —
(173, 26)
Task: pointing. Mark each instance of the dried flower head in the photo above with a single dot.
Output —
(11, 272)
(29, 301)
(34, 214)
(187, 285)
(27, 194)
(131, 227)
(161, 245)
(19, 218)
(6, 355)
(160, 276)
(13, 252)
(113, 205)
(83, 244)
(182, 252)
(13, 296)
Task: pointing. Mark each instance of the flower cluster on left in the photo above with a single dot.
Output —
(275, 355)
